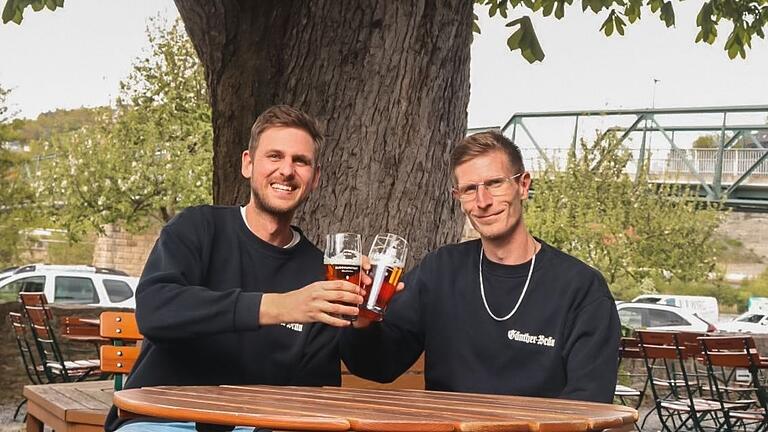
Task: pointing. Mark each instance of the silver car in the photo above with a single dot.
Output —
(661, 317)
(72, 284)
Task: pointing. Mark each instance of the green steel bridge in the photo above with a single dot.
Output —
(733, 171)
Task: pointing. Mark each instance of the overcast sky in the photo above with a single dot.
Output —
(75, 57)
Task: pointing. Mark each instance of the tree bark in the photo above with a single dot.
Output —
(389, 82)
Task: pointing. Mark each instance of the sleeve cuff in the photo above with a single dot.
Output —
(247, 311)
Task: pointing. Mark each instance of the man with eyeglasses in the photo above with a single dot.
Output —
(504, 314)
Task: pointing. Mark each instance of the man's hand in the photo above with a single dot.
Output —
(317, 302)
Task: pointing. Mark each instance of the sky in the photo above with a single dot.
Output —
(76, 56)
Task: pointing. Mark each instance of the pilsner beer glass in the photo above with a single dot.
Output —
(388, 253)
(342, 259)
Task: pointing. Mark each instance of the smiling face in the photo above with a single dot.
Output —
(494, 217)
(281, 169)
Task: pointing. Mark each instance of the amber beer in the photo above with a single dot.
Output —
(385, 278)
(342, 260)
(387, 256)
(341, 270)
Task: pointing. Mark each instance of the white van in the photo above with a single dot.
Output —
(705, 307)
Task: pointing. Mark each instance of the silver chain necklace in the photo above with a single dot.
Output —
(520, 300)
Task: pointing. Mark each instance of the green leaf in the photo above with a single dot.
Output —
(525, 39)
(548, 7)
(668, 14)
(560, 10)
(513, 41)
(9, 11)
(620, 24)
(607, 26)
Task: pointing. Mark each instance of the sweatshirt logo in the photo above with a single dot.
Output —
(517, 336)
(293, 326)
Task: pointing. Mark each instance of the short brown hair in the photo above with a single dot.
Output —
(484, 142)
(285, 116)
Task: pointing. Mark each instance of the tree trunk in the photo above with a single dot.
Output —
(389, 82)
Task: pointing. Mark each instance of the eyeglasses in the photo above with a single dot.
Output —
(495, 186)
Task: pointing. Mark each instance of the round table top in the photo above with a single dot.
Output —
(342, 409)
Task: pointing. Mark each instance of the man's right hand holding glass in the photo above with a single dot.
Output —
(322, 301)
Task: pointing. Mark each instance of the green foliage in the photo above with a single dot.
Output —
(15, 194)
(757, 287)
(145, 159)
(709, 141)
(633, 232)
(54, 122)
(67, 252)
(14, 9)
(748, 18)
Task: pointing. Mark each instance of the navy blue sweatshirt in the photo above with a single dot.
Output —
(197, 305)
(562, 342)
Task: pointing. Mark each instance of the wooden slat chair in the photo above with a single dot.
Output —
(74, 326)
(74, 329)
(737, 352)
(119, 358)
(32, 365)
(56, 368)
(674, 395)
(697, 372)
(629, 350)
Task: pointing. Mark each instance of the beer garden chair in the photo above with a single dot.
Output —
(737, 352)
(674, 394)
(32, 366)
(55, 367)
(119, 358)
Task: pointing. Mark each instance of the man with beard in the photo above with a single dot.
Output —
(235, 295)
(504, 314)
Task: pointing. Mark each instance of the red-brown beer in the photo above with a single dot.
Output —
(345, 272)
(388, 279)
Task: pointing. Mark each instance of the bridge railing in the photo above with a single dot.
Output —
(670, 164)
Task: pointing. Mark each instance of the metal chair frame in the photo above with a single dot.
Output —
(737, 352)
(678, 408)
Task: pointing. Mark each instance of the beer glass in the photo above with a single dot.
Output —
(387, 255)
(342, 259)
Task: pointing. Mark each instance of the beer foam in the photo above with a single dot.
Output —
(343, 259)
(386, 260)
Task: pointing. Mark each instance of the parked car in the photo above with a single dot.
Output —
(748, 322)
(703, 306)
(7, 272)
(661, 317)
(72, 284)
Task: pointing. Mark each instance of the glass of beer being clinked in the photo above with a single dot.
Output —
(343, 257)
(387, 255)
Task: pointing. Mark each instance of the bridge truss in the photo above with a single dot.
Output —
(734, 171)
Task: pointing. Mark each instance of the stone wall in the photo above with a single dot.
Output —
(122, 250)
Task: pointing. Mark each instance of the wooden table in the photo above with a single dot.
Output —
(343, 409)
(66, 407)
